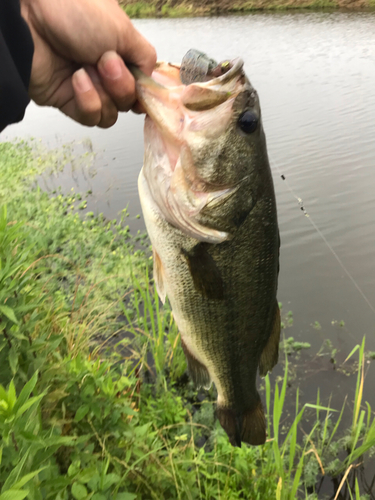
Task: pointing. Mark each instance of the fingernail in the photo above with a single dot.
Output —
(111, 65)
(82, 81)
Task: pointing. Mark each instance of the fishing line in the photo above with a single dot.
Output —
(308, 216)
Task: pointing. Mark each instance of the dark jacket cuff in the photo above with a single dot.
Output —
(16, 54)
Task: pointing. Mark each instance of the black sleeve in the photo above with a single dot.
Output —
(16, 53)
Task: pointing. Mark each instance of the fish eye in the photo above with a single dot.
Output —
(248, 122)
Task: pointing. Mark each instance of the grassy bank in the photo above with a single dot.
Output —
(184, 8)
(95, 402)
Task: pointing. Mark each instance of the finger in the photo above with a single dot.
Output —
(86, 105)
(134, 48)
(117, 80)
(109, 111)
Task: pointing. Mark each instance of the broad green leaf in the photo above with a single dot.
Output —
(26, 391)
(21, 482)
(78, 491)
(13, 360)
(93, 484)
(67, 440)
(12, 397)
(87, 474)
(142, 430)
(99, 496)
(109, 480)
(15, 473)
(14, 495)
(3, 393)
(30, 436)
(81, 412)
(74, 468)
(126, 496)
(9, 313)
(29, 403)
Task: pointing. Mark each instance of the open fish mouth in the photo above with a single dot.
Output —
(180, 117)
(166, 86)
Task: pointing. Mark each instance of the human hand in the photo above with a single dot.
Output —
(79, 51)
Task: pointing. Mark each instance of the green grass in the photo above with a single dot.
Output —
(140, 9)
(152, 8)
(94, 398)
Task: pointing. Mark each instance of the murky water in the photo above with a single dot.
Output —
(315, 74)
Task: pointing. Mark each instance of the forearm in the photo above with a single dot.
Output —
(16, 53)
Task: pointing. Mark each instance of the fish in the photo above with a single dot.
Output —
(209, 206)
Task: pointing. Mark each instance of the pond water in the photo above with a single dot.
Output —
(315, 75)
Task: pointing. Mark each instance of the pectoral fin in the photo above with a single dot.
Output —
(159, 276)
(205, 273)
(270, 353)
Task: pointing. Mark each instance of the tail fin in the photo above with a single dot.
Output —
(248, 426)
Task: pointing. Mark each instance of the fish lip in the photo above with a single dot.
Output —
(235, 70)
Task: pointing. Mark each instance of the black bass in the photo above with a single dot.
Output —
(209, 205)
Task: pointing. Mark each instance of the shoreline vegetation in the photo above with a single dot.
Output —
(95, 402)
(191, 8)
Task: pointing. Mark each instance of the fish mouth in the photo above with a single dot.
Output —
(175, 108)
(165, 88)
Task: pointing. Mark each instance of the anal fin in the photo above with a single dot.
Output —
(270, 354)
(248, 426)
(197, 371)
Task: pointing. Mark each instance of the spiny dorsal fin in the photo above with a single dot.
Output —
(206, 275)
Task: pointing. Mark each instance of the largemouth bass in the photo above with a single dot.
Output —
(209, 206)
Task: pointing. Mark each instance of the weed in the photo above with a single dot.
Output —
(328, 349)
(290, 346)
